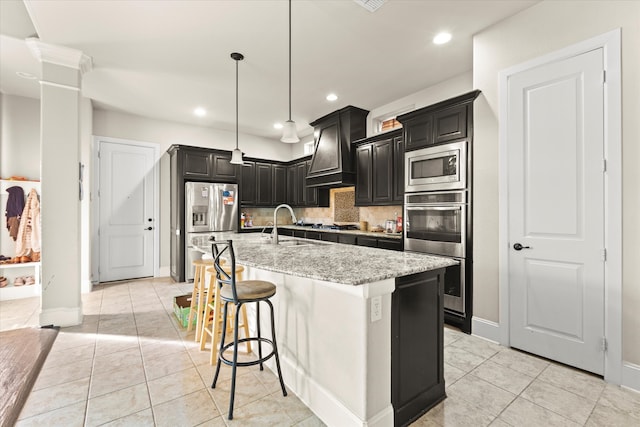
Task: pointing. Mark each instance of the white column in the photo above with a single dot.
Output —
(60, 111)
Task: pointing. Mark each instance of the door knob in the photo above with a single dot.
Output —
(149, 228)
(519, 247)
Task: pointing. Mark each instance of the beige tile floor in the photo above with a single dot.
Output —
(131, 364)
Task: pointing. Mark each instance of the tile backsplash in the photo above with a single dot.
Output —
(341, 210)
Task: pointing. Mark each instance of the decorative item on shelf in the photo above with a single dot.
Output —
(289, 131)
(236, 155)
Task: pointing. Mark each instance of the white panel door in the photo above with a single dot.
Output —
(126, 211)
(556, 210)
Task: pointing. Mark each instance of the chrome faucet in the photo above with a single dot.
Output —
(275, 220)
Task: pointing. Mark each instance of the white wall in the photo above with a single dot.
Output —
(127, 126)
(541, 29)
(20, 137)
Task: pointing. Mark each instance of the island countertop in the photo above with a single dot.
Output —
(331, 262)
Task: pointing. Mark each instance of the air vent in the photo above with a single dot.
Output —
(371, 5)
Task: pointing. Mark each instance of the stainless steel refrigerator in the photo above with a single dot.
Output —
(208, 207)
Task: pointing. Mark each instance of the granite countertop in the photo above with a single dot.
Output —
(326, 230)
(331, 262)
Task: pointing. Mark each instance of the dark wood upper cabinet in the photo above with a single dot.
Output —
(443, 122)
(379, 178)
(332, 163)
(398, 169)
(383, 171)
(264, 182)
(248, 194)
(450, 124)
(223, 170)
(279, 186)
(292, 185)
(301, 189)
(364, 176)
(419, 132)
(197, 164)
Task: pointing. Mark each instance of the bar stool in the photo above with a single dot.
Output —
(212, 318)
(198, 294)
(239, 293)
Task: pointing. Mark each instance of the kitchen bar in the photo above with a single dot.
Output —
(348, 325)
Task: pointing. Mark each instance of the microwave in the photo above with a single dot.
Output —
(441, 167)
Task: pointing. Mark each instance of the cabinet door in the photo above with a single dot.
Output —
(311, 193)
(398, 169)
(450, 124)
(248, 184)
(279, 184)
(197, 165)
(222, 168)
(264, 181)
(301, 188)
(417, 356)
(292, 185)
(371, 242)
(419, 132)
(393, 244)
(382, 171)
(364, 178)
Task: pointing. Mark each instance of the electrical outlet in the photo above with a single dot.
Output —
(376, 308)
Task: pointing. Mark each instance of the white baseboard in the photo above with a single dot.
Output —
(485, 329)
(164, 271)
(324, 404)
(631, 376)
(61, 316)
(86, 286)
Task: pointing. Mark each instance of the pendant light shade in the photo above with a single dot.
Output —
(236, 155)
(289, 131)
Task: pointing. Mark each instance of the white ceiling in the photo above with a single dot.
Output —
(161, 59)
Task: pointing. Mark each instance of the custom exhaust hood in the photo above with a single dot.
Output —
(333, 163)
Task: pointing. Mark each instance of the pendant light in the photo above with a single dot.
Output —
(289, 131)
(236, 155)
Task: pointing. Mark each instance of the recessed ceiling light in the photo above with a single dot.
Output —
(332, 97)
(200, 112)
(442, 38)
(26, 75)
(277, 125)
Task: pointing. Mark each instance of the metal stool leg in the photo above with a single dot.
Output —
(275, 348)
(224, 333)
(234, 366)
(259, 336)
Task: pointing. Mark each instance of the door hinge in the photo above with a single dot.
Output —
(604, 165)
(604, 76)
(603, 344)
(98, 153)
(604, 254)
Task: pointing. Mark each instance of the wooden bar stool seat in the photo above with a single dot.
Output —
(212, 317)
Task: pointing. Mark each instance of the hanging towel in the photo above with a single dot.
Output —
(29, 232)
(13, 211)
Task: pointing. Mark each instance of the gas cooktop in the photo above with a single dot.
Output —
(334, 227)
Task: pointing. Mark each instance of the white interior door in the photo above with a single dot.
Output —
(127, 182)
(556, 210)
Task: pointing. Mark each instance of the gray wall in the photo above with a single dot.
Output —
(20, 137)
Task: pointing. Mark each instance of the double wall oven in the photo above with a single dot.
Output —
(437, 214)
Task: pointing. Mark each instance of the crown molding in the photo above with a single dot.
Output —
(59, 55)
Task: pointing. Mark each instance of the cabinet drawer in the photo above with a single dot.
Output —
(315, 235)
(329, 237)
(371, 242)
(348, 239)
(393, 244)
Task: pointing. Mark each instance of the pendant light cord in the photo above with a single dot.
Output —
(289, 60)
(236, 104)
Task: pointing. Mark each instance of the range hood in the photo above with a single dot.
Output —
(333, 163)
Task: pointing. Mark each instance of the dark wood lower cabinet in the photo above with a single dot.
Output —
(417, 352)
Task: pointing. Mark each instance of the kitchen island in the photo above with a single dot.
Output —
(359, 329)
